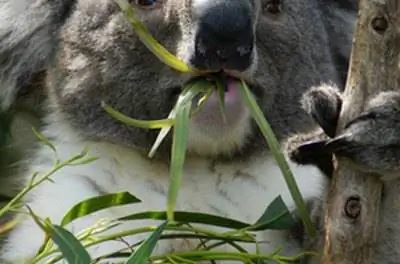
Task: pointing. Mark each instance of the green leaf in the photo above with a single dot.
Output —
(161, 135)
(189, 217)
(83, 161)
(263, 223)
(39, 223)
(142, 254)
(201, 101)
(181, 114)
(220, 237)
(280, 159)
(45, 140)
(145, 36)
(153, 124)
(7, 224)
(179, 142)
(276, 216)
(98, 203)
(221, 96)
(70, 247)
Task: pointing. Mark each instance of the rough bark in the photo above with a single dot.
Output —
(352, 211)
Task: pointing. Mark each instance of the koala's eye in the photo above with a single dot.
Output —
(273, 6)
(148, 3)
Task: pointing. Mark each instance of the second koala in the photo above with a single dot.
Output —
(371, 141)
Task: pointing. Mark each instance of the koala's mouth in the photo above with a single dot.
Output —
(210, 113)
(216, 131)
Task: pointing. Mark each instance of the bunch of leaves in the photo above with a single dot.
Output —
(62, 244)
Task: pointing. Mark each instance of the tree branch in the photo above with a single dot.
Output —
(352, 211)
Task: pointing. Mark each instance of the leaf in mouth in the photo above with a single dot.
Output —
(182, 113)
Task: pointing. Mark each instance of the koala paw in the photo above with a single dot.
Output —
(310, 149)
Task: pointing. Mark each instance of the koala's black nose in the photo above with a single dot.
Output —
(224, 38)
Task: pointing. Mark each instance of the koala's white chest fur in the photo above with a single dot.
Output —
(238, 190)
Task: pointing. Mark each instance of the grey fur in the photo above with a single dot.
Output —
(339, 14)
(90, 54)
(28, 38)
(26, 47)
(282, 60)
(371, 141)
(292, 57)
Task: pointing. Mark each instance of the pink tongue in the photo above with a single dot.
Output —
(234, 108)
(231, 91)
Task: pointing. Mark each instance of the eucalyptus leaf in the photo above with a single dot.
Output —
(44, 140)
(189, 217)
(148, 40)
(98, 203)
(42, 226)
(7, 224)
(83, 161)
(161, 135)
(153, 124)
(273, 144)
(188, 94)
(182, 110)
(214, 220)
(72, 250)
(179, 142)
(221, 96)
(142, 254)
(222, 237)
(276, 216)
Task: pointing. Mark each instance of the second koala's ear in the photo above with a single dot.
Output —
(324, 103)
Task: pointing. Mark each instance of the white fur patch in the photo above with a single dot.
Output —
(239, 190)
(211, 143)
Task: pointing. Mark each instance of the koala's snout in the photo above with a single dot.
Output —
(225, 37)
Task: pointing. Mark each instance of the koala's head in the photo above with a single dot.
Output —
(277, 46)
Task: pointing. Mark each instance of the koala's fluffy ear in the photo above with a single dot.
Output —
(339, 15)
(323, 103)
(28, 37)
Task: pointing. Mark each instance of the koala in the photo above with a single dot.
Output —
(90, 55)
(370, 140)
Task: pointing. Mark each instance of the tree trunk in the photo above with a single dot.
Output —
(352, 211)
